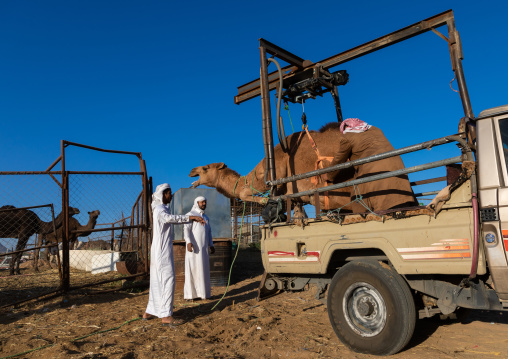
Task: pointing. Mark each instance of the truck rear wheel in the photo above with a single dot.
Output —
(371, 308)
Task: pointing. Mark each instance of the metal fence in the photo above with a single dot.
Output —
(246, 221)
(21, 231)
(69, 230)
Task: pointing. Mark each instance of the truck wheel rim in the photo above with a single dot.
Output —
(364, 309)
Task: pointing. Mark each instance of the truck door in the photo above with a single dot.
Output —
(496, 239)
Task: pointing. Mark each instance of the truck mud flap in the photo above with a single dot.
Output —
(267, 287)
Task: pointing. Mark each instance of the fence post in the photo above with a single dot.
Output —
(112, 244)
(65, 232)
(146, 213)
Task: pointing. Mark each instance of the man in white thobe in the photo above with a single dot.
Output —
(162, 274)
(199, 241)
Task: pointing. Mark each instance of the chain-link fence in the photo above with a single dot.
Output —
(246, 221)
(109, 230)
(65, 230)
(28, 202)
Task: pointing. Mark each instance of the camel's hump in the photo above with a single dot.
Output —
(330, 126)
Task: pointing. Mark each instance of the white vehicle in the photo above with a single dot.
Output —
(380, 272)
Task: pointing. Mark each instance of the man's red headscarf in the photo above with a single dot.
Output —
(354, 125)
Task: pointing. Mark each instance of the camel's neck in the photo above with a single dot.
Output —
(225, 183)
(92, 221)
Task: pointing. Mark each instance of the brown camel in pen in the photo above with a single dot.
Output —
(22, 224)
(74, 225)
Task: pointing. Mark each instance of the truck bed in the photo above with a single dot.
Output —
(421, 244)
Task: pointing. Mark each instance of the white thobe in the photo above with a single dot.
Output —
(197, 262)
(162, 273)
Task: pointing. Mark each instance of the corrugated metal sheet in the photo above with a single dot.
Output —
(217, 209)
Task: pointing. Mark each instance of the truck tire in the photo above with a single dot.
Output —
(371, 308)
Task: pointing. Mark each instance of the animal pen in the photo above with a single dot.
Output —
(63, 230)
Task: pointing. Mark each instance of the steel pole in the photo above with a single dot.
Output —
(455, 47)
(376, 177)
(381, 156)
(267, 115)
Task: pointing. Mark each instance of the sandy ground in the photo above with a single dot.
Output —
(289, 325)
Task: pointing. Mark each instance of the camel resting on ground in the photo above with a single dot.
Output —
(74, 224)
(301, 158)
(22, 224)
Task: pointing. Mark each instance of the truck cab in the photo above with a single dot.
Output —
(492, 158)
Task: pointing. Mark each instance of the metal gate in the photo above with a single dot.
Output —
(71, 228)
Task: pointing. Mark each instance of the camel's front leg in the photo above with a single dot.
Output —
(49, 256)
(300, 217)
(37, 251)
(16, 258)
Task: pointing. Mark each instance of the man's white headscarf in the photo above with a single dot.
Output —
(196, 204)
(157, 195)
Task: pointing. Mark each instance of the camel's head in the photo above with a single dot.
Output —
(73, 211)
(94, 214)
(207, 174)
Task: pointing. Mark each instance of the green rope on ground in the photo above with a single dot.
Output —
(105, 331)
(28, 351)
(73, 340)
(286, 107)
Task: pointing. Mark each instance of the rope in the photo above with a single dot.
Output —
(233, 262)
(234, 188)
(286, 107)
(73, 340)
(359, 199)
(252, 189)
(239, 240)
(105, 331)
(319, 164)
(28, 351)
(451, 84)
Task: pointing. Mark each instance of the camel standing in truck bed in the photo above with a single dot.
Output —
(300, 159)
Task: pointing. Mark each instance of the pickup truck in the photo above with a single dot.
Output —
(379, 272)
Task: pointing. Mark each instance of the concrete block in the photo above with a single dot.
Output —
(105, 262)
(81, 260)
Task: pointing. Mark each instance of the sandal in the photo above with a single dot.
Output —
(174, 323)
(149, 317)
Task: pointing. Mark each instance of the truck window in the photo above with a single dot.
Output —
(503, 126)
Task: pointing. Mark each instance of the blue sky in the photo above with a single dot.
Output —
(159, 77)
